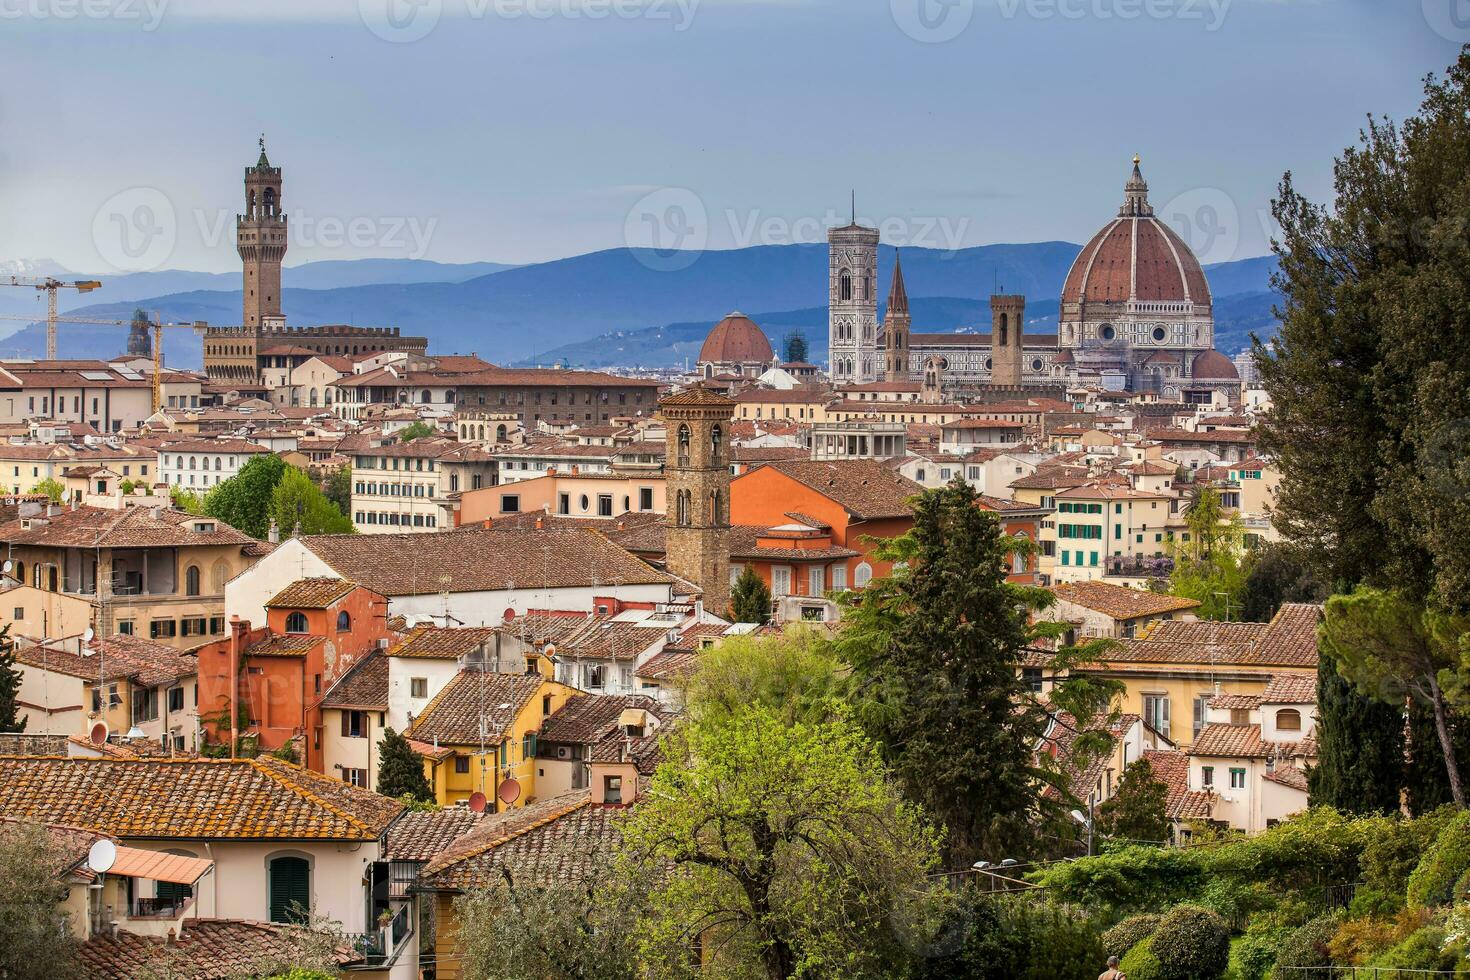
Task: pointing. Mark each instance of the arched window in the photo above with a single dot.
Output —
(289, 883)
(449, 398)
(682, 515)
(1288, 720)
(844, 285)
(499, 433)
(425, 396)
(344, 621)
(683, 445)
(1005, 330)
(296, 622)
(862, 575)
(713, 515)
(191, 580)
(716, 440)
(219, 575)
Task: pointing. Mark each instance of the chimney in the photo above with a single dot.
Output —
(540, 522)
(296, 530)
(274, 534)
(487, 522)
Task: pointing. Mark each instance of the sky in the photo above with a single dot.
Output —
(530, 130)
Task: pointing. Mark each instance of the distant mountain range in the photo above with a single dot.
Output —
(615, 307)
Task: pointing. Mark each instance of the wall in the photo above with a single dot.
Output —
(65, 697)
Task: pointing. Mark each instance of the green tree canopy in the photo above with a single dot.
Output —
(244, 500)
(415, 430)
(51, 487)
(34, 940)
(750, 600)
(401, 769)
(338, 487)
(10, 678)
(1136, 811)
(1360, 747)
(297, 500)
(1278, 575)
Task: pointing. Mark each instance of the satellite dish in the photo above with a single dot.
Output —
(136, 732)
(99, 733)
(89, 635)
(509, 791)
(7, 566)
(477, 802)
(102, 856)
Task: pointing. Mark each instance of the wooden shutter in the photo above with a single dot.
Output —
(290, 888)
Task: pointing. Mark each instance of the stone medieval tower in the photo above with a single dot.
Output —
(697, 544)
(260, 238)
(896, 325)
(852, 304)
(1007, 314)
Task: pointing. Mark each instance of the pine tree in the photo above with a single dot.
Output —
(401, 769)
(1360, 748)
(750, 600)
(10, 719)
(1426, 781)
(1137, 811)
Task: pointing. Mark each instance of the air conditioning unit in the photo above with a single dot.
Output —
(562, 752)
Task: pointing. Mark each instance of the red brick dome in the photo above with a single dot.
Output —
(736, 340)
(1213, 366)
(1136, 257)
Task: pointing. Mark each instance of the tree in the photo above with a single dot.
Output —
(1360, 747)
(51, 487)
(936, 651)
(796, 348)
(415, 430)
(1212, 565)
(185, 500)
(1389, 646)
(34, 941)
(1277, 575)
(10, 678)
(782, 846)
(244, 500)
(1137, 811)
(1425, 778)
(338, 487)
(1205, 517)
(297, 500)
(401, 769)
(750, 600)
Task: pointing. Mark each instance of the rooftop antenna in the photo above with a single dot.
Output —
(854, 205)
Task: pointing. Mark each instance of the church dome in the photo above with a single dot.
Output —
(736, 340)
(1213, 366)
(1136, 257)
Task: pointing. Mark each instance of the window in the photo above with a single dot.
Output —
(839, 576)
(418, 687)
(612, 789)
(160, 629)
(780, 580)
(145, 704)
(1031, 677)
(354, 724)
(1289, 720)
(645, 498)
(862, 575)
(510, 503)
(290, 888)
(124, 626)
(1237, 778)
(355, 777)
(563, 503)
(296, 622)
(604, 505)
(192, 626)
(462, 764)
(1156, 712)
(594, 675)
(816, 584)
(344, 622)
(1207, 776)
(1201, 711)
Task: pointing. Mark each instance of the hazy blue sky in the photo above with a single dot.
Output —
(522, 130)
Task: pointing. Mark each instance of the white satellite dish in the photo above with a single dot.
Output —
(7, 566)
(88, 635)
(102, 856)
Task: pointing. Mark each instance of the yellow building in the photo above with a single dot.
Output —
(484, 727)
(1097, 522)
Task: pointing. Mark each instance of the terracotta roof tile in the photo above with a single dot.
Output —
(1121, 602)
(422, 835)
(455, 713)
(866, 488)
(364, 686)
(1291, 689)
(441, 642)
(135, 527)
(208, 949)
(311, 593)
(588, 718)
(1289, 776)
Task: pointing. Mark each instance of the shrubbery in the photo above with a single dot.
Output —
(1191, 943)
(1423, 949)
(1141, 964)
(1438, 879)
(1133, 930)
(1307, 946)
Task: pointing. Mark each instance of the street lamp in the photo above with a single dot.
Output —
(1086, 821)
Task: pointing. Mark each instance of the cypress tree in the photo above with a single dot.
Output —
(1360, 748)
(401, 769)
(1425, 779)
(750, 600)
(10, 719)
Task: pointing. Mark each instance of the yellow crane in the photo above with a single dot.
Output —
(198, 326)
(50, 285)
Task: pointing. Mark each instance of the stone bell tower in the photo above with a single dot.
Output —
(896, 325)
(260, 238)
(852, 304)
(1007, 314)
(697, 536)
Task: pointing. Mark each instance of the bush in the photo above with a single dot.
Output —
(1141, 964)
(1191, 943)
(1395, 846)
(1359, 940)
(1130, 878)
(1306, 946)
(1133, 930)
(1443, 866)
(1253, 954)
(1424, 949)
(1372, 902)
(1019, 938)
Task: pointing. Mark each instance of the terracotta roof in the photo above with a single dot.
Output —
(422, 835)
(239, 447)
(455, 713)
(208, 949)
(1289, 776)
(588, 718)
(1121, 602)
(67, 846)
(283, 645)
(311, 593)
(442, 643)
(560, 839)
(364, 686)
(135, 527)
(142, 660)
(1181, 803)
(220, 799)
(866, 488)
(736, 339)
(480, 560)
(1291, 639)
(1236, 702)
(1291, 689)
(668, 664)
(1230, 741)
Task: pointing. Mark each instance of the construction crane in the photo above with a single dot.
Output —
(50, 285)
(198, 326)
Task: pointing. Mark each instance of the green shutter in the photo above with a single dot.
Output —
(290, 888)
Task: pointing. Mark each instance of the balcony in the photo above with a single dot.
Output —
(1131, 567)
(382, 947)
